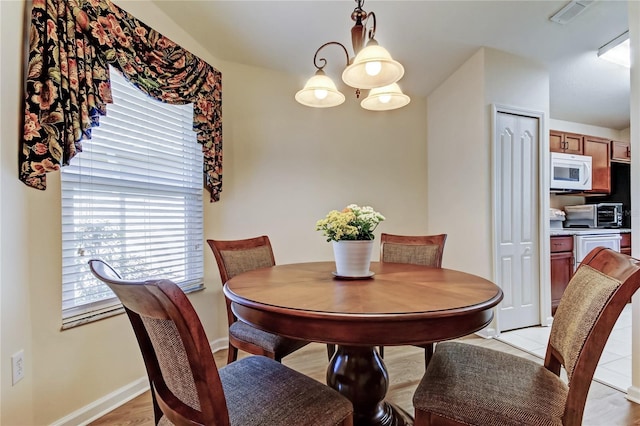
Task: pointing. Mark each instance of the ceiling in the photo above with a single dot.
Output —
(430, 38)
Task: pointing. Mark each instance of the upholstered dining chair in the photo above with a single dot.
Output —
(186, 385)
(469, 385)
(235, 257)
(426, 250)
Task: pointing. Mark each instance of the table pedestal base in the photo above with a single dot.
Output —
(358, 373)
(397, 416)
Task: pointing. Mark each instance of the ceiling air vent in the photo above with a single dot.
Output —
(570, 11)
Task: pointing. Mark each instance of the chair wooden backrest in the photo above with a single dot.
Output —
(237, 256)
(588, 310)
(183, 376)
(424, 250)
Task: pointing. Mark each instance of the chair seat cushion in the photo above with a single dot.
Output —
(480, 386)
(278, 345)
(261, 391)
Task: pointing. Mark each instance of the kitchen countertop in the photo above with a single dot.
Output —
(587, 231)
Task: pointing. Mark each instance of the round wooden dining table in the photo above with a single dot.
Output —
(400, 304)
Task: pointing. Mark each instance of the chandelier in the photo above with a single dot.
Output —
(372, 69)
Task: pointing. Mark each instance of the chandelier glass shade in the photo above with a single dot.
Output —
(320, 92)
(385, 98)
(372, 68)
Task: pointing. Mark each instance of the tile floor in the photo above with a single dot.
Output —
(614, 368)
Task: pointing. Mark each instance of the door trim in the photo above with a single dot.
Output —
(543, 207)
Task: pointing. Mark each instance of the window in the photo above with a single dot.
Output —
(132, 198)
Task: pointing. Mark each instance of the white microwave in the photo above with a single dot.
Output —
(570, 172)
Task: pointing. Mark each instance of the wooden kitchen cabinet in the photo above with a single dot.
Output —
(625, 243)
(569, 143)
(599, 150)
(561, 267)
(620, 151)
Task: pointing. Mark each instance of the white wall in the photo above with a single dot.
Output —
(285, 166)
(16, 402)
(458, 158)
(459, 149)
(515, 81)
(284, 171)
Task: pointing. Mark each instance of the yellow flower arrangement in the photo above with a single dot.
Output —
(352, 223)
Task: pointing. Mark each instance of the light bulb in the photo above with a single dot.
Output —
(373, 67)
(385, 98)
(320, 93)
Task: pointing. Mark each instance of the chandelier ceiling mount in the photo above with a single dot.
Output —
(372, 68)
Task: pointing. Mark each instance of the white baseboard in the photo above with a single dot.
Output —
(107, 403)
(488, 333)
(633, 394)
(219, 344)
(115, 399)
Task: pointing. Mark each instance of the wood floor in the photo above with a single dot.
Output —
(605, 406)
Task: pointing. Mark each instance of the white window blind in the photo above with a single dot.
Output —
(132, 198)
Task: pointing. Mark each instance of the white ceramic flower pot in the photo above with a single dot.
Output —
(353, 258)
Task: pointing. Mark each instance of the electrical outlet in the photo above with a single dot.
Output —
(17, 366)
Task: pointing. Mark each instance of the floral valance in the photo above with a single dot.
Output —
(71, 44)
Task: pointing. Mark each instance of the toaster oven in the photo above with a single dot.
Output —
(600, 215)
